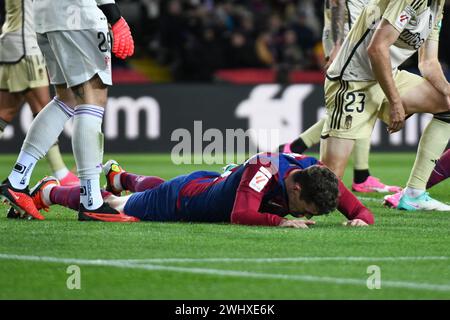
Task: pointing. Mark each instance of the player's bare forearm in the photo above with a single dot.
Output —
(337, 21)
(380, 59)
(381, 64)
(382, 68)
(431, 68)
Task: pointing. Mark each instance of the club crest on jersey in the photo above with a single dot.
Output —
(405, 17)
(414, 22)
(260, 179)
(403, 20)
(348, 122)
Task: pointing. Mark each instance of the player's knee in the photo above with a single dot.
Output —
(9, 114)
(443, 116)
(65, 95)
(92, 92)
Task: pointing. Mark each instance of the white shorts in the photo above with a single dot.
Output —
(75, 56)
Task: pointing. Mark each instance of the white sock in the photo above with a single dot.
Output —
(90, 194)
(60, 174)
(43, 133)
(87, 145)
(116, 182)
(21, 174)
(412, 192)
(46, 194)
(46, 128)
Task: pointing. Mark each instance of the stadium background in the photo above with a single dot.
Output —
(202, 59)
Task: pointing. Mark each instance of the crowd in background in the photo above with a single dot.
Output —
(194, 38)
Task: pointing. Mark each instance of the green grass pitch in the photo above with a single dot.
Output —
(220, 261)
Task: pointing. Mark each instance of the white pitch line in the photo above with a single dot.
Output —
(229, 273)
(288, 259)
(380, 200)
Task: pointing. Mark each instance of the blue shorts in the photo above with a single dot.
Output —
(160, 203)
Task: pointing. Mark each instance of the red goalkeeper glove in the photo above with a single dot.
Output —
(123, 44)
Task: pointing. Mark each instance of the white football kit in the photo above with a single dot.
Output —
(74, 38)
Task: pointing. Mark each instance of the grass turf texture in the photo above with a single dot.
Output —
(396, 234)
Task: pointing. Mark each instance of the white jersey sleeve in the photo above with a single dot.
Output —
(62, 15)
(18, 38)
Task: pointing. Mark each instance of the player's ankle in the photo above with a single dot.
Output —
(413, 192)
(46, 194)
(298, 145)
(90, 194)
(360, 176)
(117, 181)
(61, 173)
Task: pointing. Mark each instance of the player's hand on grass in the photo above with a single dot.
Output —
(355, 223)
(397, 117)
(123, 43)
(298, 224)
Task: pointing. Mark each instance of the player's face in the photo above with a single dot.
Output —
(300, 208)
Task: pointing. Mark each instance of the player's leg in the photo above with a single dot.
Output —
(117, 203)
(425, 98)
(47, 126)
(361, 152)
(67, 196)
(118, 180)
(441, 171)
(9, 107)
(84, 59)
(44, 131)
(37, 98)
(415, 197)
(335, 152)
(87, 139)
(306, 140)
(350, 116)
(48, 192)
(422, 97)
(13, 82)
(137, 183)
(431, 147)
(362, 180)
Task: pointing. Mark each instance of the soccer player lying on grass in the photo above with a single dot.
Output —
(262, 191)
(440, 173)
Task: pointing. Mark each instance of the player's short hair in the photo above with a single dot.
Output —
(319, 186)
